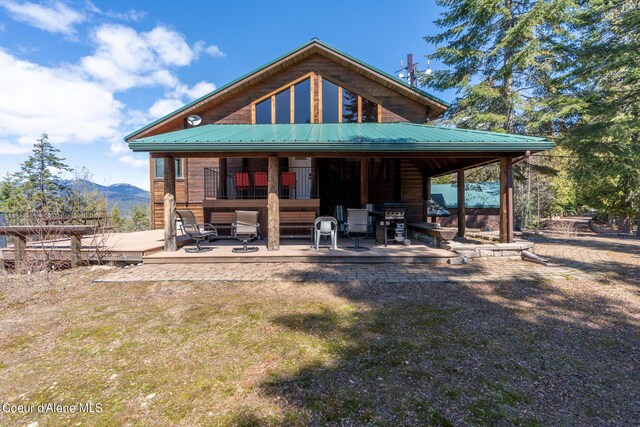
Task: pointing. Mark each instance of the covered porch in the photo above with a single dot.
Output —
(319, 166)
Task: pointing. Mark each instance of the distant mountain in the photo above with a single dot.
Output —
(124, 195)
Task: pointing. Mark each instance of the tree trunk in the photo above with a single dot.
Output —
(638, 229)
(624, 224)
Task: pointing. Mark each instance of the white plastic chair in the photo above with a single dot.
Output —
(326, 226)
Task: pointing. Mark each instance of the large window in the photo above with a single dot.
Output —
(302, 102)
(292, 105)
(159, 168)
(330, 102)
(263, 112)
(340, 105)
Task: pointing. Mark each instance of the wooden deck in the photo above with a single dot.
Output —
(116, 247)
(302, 250)
(147, 247)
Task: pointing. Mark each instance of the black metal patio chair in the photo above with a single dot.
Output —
(191, 228)
(356, 227)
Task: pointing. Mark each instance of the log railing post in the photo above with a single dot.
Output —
(462, 214)
(273, 205)
(506, 200)
(170, 244)
(76, 254)
(19, 249)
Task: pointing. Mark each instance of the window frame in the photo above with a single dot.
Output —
(315, 80)
(290, 87)
(182, 162)
(341, 85)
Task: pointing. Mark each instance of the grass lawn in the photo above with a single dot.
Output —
(513, 353)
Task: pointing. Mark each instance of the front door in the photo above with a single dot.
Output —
(339, 184)
(302, 167)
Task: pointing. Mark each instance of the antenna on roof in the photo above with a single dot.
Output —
(412, 70)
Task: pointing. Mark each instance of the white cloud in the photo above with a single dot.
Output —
(77, 102)
(164, 106)
(199, 89)
(54, 100)
(130, 15)
(215, 51)
(133, 162)
(177, 98)
(53, 18)
(125, 58)
(7, 147)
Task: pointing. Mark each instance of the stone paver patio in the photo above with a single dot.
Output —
(570, 258)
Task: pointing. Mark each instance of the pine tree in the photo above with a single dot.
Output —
(116, 220)
(598, 98)
(40, 175)
(140, 218)
(12, 197)
(497, 54)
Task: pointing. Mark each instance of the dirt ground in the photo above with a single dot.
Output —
(503, 352)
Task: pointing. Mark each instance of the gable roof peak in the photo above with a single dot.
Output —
(323, 48)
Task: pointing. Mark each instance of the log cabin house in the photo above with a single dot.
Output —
(311, 130)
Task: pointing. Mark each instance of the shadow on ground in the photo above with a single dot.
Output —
(506, 353)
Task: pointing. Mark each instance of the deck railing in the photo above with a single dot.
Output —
(246, 183)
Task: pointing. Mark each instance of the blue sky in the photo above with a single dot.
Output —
(90, 73)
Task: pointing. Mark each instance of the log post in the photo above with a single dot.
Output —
(273, 205)
(19, 249)
(314, 179)
(506, 200)
(462, 214)
(76, 255)
(364, 182)
(427, 196)
(222, 176)
(170, 244)
(170, 176)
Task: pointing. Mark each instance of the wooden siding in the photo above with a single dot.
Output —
(412, 190)
(236, 109)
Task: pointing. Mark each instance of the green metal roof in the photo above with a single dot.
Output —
(336, 137)
(312, 41)
(476, 195)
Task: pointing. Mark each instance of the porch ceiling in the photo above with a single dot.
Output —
(377, 138)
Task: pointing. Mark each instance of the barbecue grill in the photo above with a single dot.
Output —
(391, 224)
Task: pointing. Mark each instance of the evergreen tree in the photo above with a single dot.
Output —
(140, 218)
(116, 220)
(40, 175)
(598, 98)
(497, 54)
(12, 197)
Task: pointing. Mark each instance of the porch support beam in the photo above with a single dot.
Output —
(222, 177)
(506, 200)
(364, 182)
(273, 205)
(170, 244)
(427, 196)
(462, 214)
